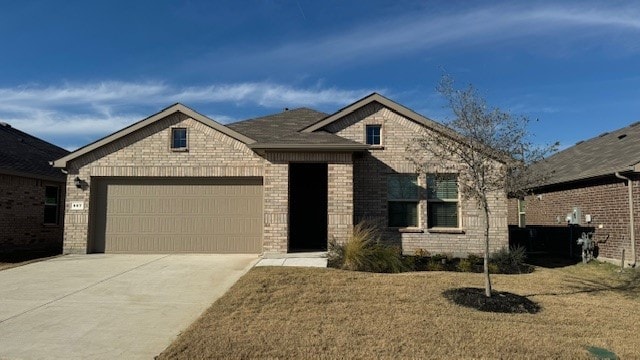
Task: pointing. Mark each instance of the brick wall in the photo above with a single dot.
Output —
(370, 187)
(146, 152)
(22, 215)
(276, 202)
(605, 200)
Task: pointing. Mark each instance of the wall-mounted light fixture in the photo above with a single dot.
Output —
(78, 182)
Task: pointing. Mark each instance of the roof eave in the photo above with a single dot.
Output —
(307, 147)
(630, 169)
(24, 174)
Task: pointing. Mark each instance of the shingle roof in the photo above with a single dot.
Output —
(284, 128)
(23, 154)
(602, 155)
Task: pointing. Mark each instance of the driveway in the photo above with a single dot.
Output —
(108, 306)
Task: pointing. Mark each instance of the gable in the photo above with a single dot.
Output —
(150, 147)
(177, 108)
(393, 106)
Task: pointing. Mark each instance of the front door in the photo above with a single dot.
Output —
(308, 207)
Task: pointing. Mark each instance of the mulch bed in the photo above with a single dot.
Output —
(499, 302)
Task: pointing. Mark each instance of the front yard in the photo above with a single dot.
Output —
(328, 313)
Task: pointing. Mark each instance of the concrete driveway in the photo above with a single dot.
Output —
(108, 306)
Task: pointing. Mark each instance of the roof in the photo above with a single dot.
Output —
(283, 131)
(605, 154)
(25, 155)
(390, 104)
(176, 108)
(407, 113)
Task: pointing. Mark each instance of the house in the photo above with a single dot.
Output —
(592, 186)
(31, 193)
(178, 181)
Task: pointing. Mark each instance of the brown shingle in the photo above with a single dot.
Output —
(602, 155)
(284, 128)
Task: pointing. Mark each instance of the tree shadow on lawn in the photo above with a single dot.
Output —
(499, 302)
(626, 283)
(628, 286)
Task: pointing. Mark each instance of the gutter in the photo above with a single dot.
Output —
(632, 232)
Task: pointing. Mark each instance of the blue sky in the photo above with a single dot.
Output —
(74, 71)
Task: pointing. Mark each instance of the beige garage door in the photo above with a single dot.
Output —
(203, 215)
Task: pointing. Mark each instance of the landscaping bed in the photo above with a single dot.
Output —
(328, 313)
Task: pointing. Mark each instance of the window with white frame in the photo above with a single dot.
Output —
(51, 205)
(374, 133)
(402, 200)
(179, 139)
(522, 221)
(442, 201)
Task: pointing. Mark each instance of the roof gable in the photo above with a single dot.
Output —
(25, 155)
(177, 108)
(391, 105)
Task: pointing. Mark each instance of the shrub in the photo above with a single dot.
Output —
(466, 265)
(364, 251)
(510, 261)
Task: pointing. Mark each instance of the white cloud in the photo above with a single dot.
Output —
(427, 29)
(92, 110)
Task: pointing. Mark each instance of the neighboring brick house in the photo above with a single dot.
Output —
(181, 182)
(589, 186)
(31, 193)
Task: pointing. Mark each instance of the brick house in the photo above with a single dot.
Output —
(591, 187)
(178, 181)
(31, 193)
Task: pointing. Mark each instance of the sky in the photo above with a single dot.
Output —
(72, 71)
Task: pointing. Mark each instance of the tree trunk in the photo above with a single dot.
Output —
(487, 278)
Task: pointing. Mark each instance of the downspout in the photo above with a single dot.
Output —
(632, 231)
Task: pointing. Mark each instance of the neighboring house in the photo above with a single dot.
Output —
(589, 187)
(180, 182)
(31, 193)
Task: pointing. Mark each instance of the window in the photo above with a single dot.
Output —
(51, 204)
(402, 196)
(178, 138)
(373, 134)
(442, 201)
(521, 213)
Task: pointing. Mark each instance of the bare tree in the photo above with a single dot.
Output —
(489, 149)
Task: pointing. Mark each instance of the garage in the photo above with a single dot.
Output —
(176, 215)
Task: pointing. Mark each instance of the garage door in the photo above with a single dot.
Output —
(201, 215)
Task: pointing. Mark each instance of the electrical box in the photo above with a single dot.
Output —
(574, 217)
(587, 218)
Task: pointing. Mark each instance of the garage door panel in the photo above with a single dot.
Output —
(180, 215)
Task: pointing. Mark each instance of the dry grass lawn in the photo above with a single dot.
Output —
(327, 313)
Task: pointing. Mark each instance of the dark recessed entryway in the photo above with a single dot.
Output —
(307, 207)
